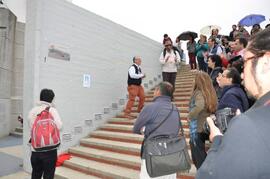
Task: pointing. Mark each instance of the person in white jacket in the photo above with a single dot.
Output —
(169, 59)
(43, 162)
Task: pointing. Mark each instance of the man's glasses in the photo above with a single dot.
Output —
(222, 75)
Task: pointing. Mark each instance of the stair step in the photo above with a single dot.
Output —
(184, 85)
(118, 136)
(123, 121)
(177, 91)
(183, 89)
(175, 94)
(125, 128)
(179, 83)
(180, 103)
(177, 99)
(100, 169)
(182, 109)
(185, 79)
(67, 173)
(16, 134)
(136, 114)
(118, 127)
(19, 129)
(108, 157)
(113, 146)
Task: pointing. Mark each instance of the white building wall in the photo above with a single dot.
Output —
(97, 47)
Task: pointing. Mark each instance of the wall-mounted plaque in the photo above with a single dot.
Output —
(58, 54)
(114, 106)
(121, 101)
(107, 110)
(98, 116)
(89, 122)
(66, 137)
(78, 130)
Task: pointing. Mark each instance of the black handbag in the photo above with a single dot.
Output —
(165, 154)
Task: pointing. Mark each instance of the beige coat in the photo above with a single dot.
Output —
(199, 112)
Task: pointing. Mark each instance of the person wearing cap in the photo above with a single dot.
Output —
(134, 88)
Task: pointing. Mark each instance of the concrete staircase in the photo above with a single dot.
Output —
(113, 151)
(18, 132)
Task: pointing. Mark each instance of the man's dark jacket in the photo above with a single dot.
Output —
(233, 96)
(244, 150)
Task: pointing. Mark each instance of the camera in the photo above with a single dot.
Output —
(221, 119)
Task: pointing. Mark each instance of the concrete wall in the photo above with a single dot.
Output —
(7, 35)
(18, 8)
(17, 76)
(97, 47)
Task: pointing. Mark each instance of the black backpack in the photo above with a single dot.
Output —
(174, 51)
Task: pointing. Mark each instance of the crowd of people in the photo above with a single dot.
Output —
(232, 74)
(241, 152)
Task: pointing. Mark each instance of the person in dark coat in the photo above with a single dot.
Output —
(215, 67)
(243, 152)
(232, 94)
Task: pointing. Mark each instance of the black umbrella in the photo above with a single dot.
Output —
(186, 35)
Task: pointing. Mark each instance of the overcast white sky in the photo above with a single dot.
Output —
(153, 18)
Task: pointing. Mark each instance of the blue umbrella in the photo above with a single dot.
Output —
(251, 20)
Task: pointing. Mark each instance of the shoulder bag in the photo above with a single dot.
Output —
(164, 154)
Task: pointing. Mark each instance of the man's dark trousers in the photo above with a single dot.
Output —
(169, 77)
(43, 163)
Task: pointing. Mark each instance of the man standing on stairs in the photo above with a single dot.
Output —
(134, 88)
(152, 115)
(169, 59)
(244, 150)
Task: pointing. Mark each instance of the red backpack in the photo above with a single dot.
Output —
(44, 134)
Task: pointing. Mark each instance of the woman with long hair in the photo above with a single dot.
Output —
(203, 103)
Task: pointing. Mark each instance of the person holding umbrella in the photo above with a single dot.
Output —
(255, 29)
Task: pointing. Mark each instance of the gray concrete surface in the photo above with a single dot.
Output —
(10, 141)
(11, 155)
(10, 164)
